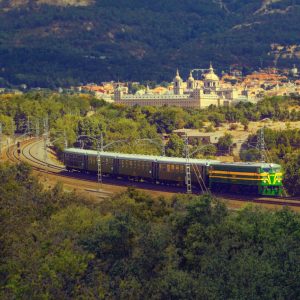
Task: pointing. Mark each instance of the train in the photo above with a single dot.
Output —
(257, 178)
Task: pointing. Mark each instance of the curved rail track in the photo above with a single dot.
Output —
(36, 163)
(27, 155)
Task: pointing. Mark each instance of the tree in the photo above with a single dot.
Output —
(217, 119)
(175, 146)
(224, 144)
(292, 175)
(245, 123)
(250, 155)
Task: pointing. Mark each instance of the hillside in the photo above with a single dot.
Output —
(64, 42)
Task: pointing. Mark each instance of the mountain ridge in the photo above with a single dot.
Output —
(73, 41)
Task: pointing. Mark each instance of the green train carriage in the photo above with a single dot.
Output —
(245, 178)
(157, 169)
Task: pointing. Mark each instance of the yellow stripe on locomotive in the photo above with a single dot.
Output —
(261, 178)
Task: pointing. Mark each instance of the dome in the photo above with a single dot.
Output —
(191, 78)
(211, 75)
(177, 77)
(294, 70)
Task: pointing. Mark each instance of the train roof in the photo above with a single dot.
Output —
(247, 164)
(162, 159)
(165, 159)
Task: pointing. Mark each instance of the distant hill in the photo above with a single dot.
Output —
(64, 42)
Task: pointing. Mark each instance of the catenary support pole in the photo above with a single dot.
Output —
(188, 178)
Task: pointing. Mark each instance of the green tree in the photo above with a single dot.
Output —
(175, 146)
(225, 143)
(292, 175)
(217, 119)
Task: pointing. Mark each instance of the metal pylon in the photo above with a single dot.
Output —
(37, 129)
(46, 133)
(188, 176)
(99, 170)
(261, 145)
(65, 139)
(28, 126)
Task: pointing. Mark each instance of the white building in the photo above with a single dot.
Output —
(194, 96)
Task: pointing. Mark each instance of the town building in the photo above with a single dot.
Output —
(195, 136)
(189, 94)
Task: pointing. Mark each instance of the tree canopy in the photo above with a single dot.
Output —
(57, 245)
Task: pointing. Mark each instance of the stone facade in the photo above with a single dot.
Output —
(194, 96)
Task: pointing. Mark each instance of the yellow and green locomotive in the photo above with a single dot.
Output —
(245, 178)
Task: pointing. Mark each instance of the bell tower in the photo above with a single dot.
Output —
(211, 80)
(191, 82)
(118, 94)
(178, 89)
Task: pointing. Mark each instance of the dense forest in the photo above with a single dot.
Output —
(59, 246)
(52, 43)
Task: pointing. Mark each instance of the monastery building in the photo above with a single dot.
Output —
(190, 94)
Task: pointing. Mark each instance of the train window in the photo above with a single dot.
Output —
(266, 170)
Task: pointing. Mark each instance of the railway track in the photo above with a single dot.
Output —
(282, 201)
(50, 169)
(27, 154)
(36, 164)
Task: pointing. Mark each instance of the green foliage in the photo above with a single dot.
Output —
(175, 146)
(250, 155)
(55, 245)
(71, 116)
(292, 175)
(217, 119)
(225, 143)
(8, 125)
(206, 151)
